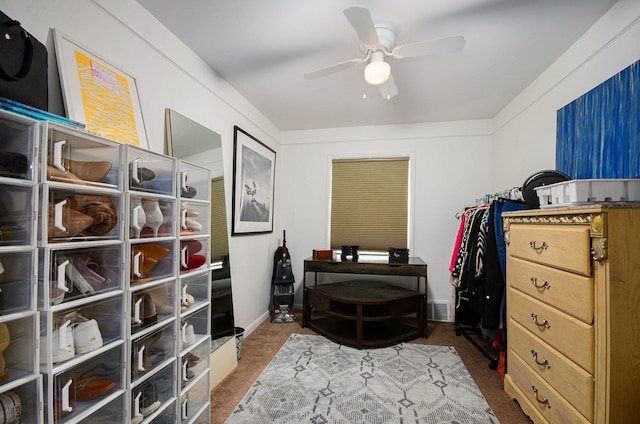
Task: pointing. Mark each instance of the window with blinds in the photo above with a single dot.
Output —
(370, 203)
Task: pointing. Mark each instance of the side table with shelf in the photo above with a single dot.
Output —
(365, 313)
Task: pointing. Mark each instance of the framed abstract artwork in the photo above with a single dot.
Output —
(99, 94)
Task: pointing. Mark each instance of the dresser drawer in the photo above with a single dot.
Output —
(574, 383)
(571, 293)
(572, 337)
(545, 400)
(561, 246)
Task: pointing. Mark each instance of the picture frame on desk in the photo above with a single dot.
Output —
(99, 94)
(253, 185)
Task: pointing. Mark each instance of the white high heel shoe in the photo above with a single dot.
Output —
(153, 214)
(138, 217)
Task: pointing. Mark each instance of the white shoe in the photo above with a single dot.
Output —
(86, 336)
(153, 214)
(192, 224)
(187, 302)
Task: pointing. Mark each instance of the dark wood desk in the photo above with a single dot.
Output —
(365, 312)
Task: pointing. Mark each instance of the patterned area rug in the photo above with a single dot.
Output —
(313, 380)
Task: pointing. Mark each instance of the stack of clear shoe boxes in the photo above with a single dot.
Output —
(81, 292)
(152, 281)
(104, 280)
(194, 193)
(20, 381)
(169, 288)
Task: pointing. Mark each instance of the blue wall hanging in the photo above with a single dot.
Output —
(598, 134)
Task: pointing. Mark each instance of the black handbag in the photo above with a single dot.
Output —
(23, 65)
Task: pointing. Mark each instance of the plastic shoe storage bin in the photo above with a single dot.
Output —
(74, 391)
(150, 172)
(194, 291)
(17, 277)
(155, 305)
(78, 157)
(22, 402)
(71, 274)
(18, 348)
(194, 219)
(194, 363)
(151, 217)
(194, 182)
(194, 327)
(151, 262)
(154, 396)
(80, 331)
(18, 137)
(152, 350)
(194, 254)
(75, 215)
(197, 398)
(17, 214)
(577, 192)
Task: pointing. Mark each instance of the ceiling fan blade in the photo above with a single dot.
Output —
(361, 21)
(389, 89)
(421, 48)
(333, 68)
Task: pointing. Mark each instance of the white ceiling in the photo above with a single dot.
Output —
(264, 47)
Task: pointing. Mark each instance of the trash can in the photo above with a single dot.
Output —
(239, 335)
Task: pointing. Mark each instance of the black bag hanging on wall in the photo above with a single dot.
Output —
(23, 65)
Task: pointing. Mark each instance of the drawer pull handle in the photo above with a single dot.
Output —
(543, 246)
(534, 281)
(544, 363)
(544, 323)
(544, 401)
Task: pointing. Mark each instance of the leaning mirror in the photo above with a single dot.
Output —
(189, 141)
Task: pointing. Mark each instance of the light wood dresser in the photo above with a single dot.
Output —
(573, 313)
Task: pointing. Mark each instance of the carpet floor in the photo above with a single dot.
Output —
(260, 347)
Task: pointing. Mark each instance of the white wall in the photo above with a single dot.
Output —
(168, 75)
(451, 168)
(525, 131)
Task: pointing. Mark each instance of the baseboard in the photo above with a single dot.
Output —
(249, 329)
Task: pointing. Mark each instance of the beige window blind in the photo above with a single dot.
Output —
(219, 242)
(369, 203)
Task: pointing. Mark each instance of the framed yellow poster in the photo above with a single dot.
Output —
(99, 94)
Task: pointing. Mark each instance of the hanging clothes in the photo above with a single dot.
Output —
(478, 271)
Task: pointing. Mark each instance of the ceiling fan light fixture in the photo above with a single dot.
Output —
(377, 70)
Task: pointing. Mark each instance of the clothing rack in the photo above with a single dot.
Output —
(477, 272)
(514, 193)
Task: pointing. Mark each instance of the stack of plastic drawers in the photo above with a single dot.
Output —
(152, 285)
(194, 343)
(20, 394)
(80, 294)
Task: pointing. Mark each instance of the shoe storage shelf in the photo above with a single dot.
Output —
(104, 280)
(81, 290)
(194, 344)
(20, 380)
(152, 289)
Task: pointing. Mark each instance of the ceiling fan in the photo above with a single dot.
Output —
(377, 41)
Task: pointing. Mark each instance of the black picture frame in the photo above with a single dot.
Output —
(254, 165)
